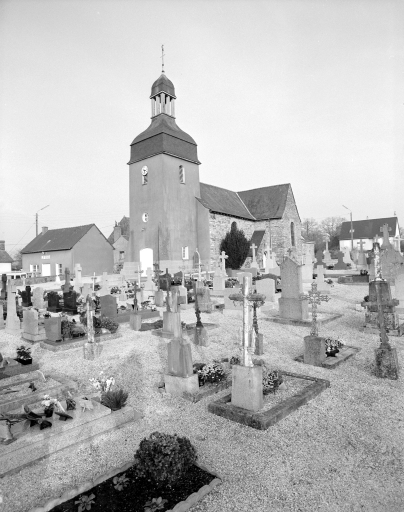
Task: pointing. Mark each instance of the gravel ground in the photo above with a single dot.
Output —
(343, 451)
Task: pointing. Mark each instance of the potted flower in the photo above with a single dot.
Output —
(332, 346)
(24, 355)
(103, 384)
(50, 404)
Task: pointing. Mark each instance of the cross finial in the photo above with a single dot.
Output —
(162, 58)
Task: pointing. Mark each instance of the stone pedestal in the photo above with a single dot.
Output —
(201, 336)
(179, 360)
(135, 320)
(386, 363)
(172, 323)
(159, 298)
(294, 309)
(314, 350)
(247, 390)
(177, 386)
(267, 288)
(218, 284)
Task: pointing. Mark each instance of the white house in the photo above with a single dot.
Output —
(366, 230)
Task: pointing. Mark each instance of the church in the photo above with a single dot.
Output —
(173, 215)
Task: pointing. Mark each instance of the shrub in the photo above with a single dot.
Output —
(271, 380)
(66, 328)
(213, 372)
(23, 352)
(235, 360)
(236, 246)
(114, 399)
(109, 324)
(164, 458)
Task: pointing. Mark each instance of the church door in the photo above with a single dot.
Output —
(146, 259)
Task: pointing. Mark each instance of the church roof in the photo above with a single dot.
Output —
(221, 200)
(124, 223)
(266, 202)
(256, 239)
(368, 228)
(162, 84)
(57, 239)
(163, 136)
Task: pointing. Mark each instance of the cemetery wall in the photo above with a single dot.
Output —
(281, 230)
(94, 253)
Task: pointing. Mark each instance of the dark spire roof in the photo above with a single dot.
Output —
(163, 136)
(163, 84)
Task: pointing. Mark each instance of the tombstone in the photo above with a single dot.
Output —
(399, 292)
(204, 302)
(53, 328)
(340, 265)
(108, 307)
(222, 258)
(327, 256)
(67, 285)
(123, 296)
(3, 286)
(386, 238)
(182, 293)
(70, 302)
(392, 263)
(37, 298)
(78, 281)
(54, 302)
(290, 305)
(254, 263)
(1, 317)
(149, 285)
(322, 286)
(33, 328)
(219, 283)
(26, 297)
(267, 288)
(87, 290)
(361, 263)
(271, 266)
(347, 257)
(104, 288)
(390, 314)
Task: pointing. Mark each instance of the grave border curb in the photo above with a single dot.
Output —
(300, 359)
(264, 420)
(182, 506)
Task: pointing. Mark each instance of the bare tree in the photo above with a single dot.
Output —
(332, 226)
(309, 228)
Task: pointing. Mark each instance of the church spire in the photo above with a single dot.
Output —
(162, 58)
(162, 93)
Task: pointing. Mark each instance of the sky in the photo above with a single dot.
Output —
(307, 92)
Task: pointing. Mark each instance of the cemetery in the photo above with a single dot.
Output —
(221, 375)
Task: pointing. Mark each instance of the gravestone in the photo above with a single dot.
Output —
(33, 328)
(12, 322)
(37, 298)
(399, 292)
(78, 281)
(87, 290)
(319, 259)
(361, 262)
(123, 296)
(54, 302)
(347, 257)
(267, 288)
(385, 229)
(392, 263)
(108, 307)
(327, 256)
(66, 287)
(254, 263)
(290, 305)
(149, 285)
(322, 286)
(26, 297)
(104, 287)
(204, 302)
(340, 265)
(70, 302)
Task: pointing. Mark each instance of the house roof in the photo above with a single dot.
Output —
(266, 202)
(221, 200)
(57, 239)
(256, 239)
(5, 257)
(368, 228)
(125, 228)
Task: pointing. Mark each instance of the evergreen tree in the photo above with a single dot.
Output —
(236, 246)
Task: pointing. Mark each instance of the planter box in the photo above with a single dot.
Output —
(86, 487)
(24, 362)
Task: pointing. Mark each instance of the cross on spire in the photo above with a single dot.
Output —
(162, 58)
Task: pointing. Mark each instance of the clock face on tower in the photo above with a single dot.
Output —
(145, 217)
(145, 170)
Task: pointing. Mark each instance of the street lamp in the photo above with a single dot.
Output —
(36, 218)
(352, 229)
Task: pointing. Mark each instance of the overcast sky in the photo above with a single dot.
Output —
(277, 91)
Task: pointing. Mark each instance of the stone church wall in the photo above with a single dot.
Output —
(281, 230)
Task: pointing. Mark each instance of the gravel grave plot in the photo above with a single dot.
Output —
(20, 390)
(293, 386)
(342, 452)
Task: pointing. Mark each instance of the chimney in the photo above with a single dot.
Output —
(44, 229)
(2, 245)
(117, 232)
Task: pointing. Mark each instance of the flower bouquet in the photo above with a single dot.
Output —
(332, 346)
(103, 384)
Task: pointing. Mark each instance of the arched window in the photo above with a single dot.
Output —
(292, 233)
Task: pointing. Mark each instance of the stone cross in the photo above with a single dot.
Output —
(376, 262)
(385, 230)
(314, 298)
(66, 286)
(90, 325)
(157, 273)
(253, 247)
(223, 257)
(167, 277)
(247, 350)
(360, 243)
(326, 239)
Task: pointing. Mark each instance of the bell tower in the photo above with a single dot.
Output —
(163, 185)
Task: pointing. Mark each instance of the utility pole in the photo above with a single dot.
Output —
(36, 219)
(352, 229)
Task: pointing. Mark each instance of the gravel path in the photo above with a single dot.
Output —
(343, 451)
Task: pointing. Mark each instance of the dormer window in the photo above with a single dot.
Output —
(182, 174)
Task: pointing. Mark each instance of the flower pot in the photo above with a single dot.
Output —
(332, 353)
(24, 361)
(49, 411)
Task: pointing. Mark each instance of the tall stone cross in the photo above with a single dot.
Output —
(360, 243)
(90, 325)
(157, 273)
(182, 269)
(244, 296)
(223, 257)
(377, 263)
(253, 247)
(66, 286)
(385, 230)
(167, 277)
(94, 278)
(314, 298)
(326, 239)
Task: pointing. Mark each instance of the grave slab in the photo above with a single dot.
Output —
(56, 346)
(16, 368)
(322, 318)
(332, 362)
(264, 420)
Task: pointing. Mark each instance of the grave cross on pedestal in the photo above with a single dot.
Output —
(360, 243)
(66, 286)
(157, 273)
(167, 277)
(182, 269)
(223, 257)
(253, 247)
(385, 230)
(314, 298)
